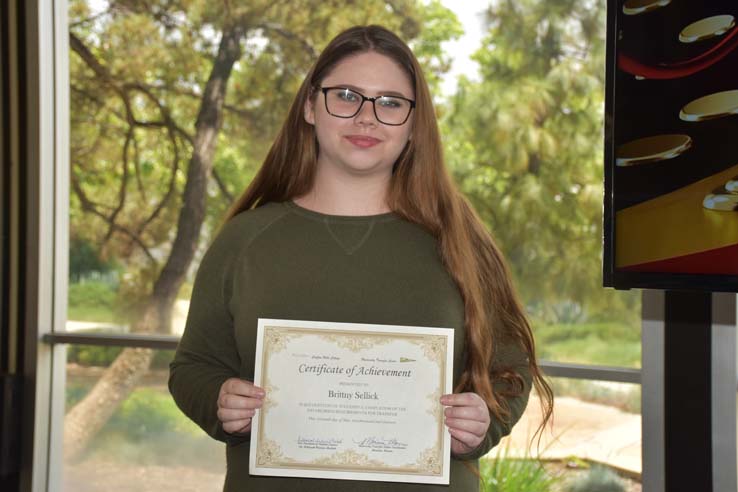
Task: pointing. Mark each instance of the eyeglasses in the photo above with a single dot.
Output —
(346, 103)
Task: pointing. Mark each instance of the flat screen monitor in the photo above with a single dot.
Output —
(671, 145)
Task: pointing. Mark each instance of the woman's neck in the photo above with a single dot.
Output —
(346, 195)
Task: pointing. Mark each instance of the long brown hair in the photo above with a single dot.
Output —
(420, 191)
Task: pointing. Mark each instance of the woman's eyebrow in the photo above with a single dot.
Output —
(382, 92)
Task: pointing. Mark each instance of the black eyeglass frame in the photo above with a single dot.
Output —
(364, 98)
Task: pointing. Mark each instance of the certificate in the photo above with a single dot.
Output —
(352, 401)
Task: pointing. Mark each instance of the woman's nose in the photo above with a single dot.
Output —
(366, 113)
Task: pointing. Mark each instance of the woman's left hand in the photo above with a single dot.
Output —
(467, 419)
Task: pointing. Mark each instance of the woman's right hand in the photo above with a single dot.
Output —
(237, 403)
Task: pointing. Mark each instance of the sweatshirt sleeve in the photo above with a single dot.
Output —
(513, 356)
(207, 355)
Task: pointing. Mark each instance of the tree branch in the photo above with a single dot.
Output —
(137, 168)
(221, 184)
(102, 73)
(90, 206)
(167, 122)
(123, 185)
(242, 112)
(282, 31)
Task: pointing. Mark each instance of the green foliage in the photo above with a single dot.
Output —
(84, 259)
(147, 413)
(92, 355)
(506, 474)
(610, 344)
(91, 293)
(438, 25)
(92, 300)
(606, 331)
(525, 145)
(597, 479)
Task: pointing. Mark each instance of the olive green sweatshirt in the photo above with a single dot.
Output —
(284, 261)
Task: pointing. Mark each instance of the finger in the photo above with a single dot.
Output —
(479, 429)
(477, 414)
(239, 402)
(462, 400)
(242, 387)
(237, 426)
(228, 414)
(466, 438)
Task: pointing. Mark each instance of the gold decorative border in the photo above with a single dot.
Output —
(276, 338)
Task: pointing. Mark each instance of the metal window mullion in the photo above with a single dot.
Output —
(158, 342)
(592, 372)
(61, 167)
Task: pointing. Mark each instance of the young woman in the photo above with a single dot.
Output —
(354, 218)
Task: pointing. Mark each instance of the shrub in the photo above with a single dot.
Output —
(92, 355)
(506, 474)
(597, 479)
(92, 300)
(148, 413)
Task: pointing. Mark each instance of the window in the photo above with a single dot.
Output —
(137, 78)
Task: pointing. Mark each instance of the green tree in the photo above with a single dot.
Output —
(174, 105)
(525, 144)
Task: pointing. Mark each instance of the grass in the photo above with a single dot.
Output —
(92, 301)
(504, 473)
(609, 344)
(513, 474)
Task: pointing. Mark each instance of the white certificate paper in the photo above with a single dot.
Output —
(352, 401)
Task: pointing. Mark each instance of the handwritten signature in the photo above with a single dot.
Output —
(379, 442)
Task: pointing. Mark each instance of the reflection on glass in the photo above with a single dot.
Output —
(147, 444)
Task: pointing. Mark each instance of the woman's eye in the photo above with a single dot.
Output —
(389, 102)
(347, 96)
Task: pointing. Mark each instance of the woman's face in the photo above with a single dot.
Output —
(361, 144)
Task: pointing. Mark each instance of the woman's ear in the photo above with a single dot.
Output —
(309, 109)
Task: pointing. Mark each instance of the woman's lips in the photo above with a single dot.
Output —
(363, 142)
